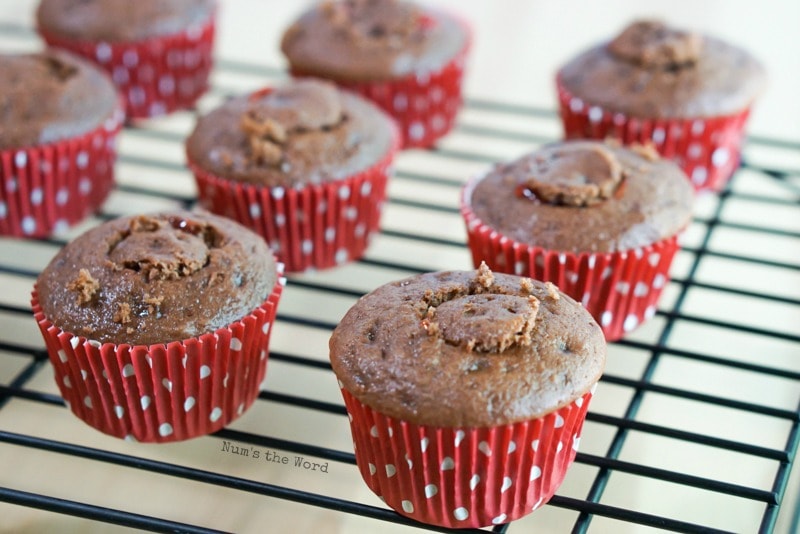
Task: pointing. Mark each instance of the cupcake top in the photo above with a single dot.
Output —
(360, 40)
(467, 349)
(120, 20)
(584, 196)
(156, 278)
(304, 132)
(654, 71)
(49, 96)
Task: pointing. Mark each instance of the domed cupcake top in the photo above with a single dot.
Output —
(653, 70)
(156, 278)
(467, 348)
(304, 132)
(120, 20)
(49, 96)
(584, 196)
(372, 39)
(655, 45)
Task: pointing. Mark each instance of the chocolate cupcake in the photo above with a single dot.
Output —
(158, 52)
(466, 392)
(158, 325)
(59, 118)
(688, 94)
(305, 165)
(407, 58)
(599, 220)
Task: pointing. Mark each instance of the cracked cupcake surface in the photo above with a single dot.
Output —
(467, 348)
(156, 278)
(303, 132)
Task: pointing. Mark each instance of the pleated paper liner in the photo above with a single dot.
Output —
(314, 227)
(619, 289)
(465, 477)
(48, 188)
(163, 392)
(156, 75)
(425, 105)
(708, 149)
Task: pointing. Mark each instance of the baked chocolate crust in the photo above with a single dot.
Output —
(368, 40)
(49, 96)
(156, 278)
(120, 20)
(303, 132)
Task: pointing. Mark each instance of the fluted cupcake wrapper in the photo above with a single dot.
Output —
(163, 392)
(619, 289)
(315, 227)
(48, 188)
(425, 105)
(465, 477)
(708, 149)
(156, 75)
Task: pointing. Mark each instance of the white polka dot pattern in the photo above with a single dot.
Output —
(707, 149)
(163, 392)
(45, 189)
(314, 227)
(158, 75)
(619, 289)
(424, 104)
(453, 479)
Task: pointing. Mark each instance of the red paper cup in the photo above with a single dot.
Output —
(48, 188)
(465, 477)
(157, 75)
(619, 289)
(167, 391)
(313, 227)
(708, 149)
(424, 105)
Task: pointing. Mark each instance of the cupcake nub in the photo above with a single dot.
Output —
(84, 286)
(653, 44)
(486, 322)
(162, 251)
(573, 175)
(272, 121)
(375, 23)
(479, 319)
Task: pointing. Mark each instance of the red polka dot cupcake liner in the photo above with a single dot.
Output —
(163, 392)
(316, 227)
(708, 149)
(157, 75)
(619, 289)
(424, 105)
(47, 188)
(465, 477)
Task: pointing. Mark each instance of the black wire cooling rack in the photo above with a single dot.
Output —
(715, 375)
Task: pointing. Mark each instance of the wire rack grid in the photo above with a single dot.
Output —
(694, 427)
